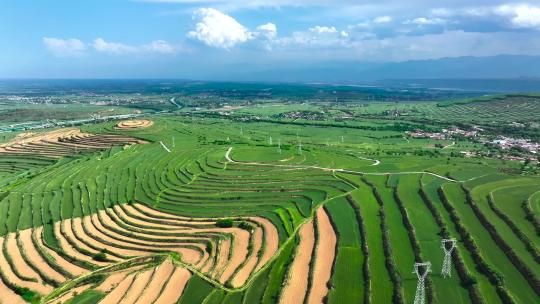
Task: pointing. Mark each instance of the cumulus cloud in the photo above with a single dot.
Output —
(161, 47)
(426, 21)
(383, 19)
(317, 37)
(115, 48)
(521, 15)
(218, 30)
(268, 30)
(64, 47)
(323, 29)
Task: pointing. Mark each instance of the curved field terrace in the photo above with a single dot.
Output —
(206, 209)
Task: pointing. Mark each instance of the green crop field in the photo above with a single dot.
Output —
(183, 207)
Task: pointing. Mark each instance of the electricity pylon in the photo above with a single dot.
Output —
(421, 270)
(448, 245)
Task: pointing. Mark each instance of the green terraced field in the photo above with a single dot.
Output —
(206, 210)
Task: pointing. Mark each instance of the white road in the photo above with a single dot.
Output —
(172, 100)
(229, 159)
(376, 162)
(164, 147)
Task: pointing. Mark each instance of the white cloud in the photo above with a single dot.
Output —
(268, 30)
(383, 19)
(161, 47)
(521, 15)
(426, 21)
(323, 29)
(115, 48)
(218, 30)
(64, 47)
(319, 37)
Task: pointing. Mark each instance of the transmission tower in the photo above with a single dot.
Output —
(421, 270)
(342, 138)
(241, 131)
(270, 140)
(448, 245)
(279, 146)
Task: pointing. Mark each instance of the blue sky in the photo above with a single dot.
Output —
(198, 39)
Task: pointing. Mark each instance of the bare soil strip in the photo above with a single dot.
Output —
(119, 291)
(162, 274)
(112, 281)
(38, 137)
(69, 233)
(223, 257)
(7, 296)
(188, 255)
(72, 269)
(271, 238)
(17, 259)
(240, 251)
(36, 259)
(70, 251)
(176, 220)
(116, 249)
(324, 258)
(120, 212)
(141, 281)
(11, 277)
(243, 274)
(175, 287)
(296, 288)
(76, 226)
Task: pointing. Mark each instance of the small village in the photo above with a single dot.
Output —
(522, 149)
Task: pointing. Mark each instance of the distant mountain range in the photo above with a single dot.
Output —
(524, 70)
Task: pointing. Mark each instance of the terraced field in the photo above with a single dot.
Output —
(182, 210)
